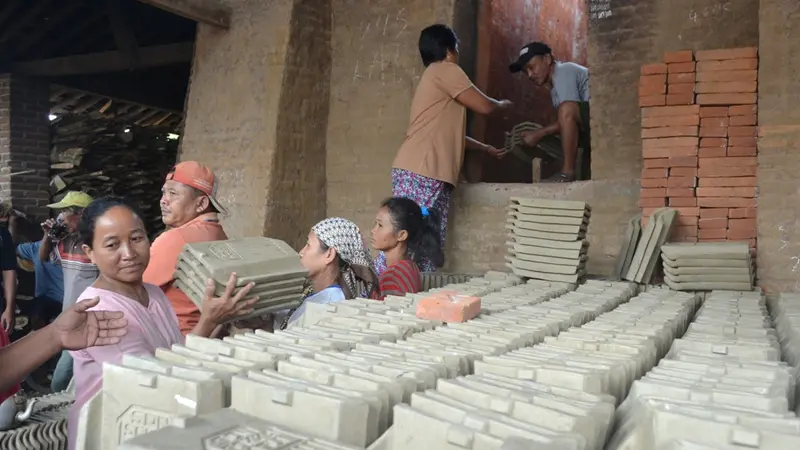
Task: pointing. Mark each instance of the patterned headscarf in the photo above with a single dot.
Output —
(344, 236)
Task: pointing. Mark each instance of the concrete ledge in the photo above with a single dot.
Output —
(476, 232)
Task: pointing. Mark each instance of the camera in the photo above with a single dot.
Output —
(59, 231)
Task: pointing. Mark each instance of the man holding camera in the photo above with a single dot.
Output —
(61, 245)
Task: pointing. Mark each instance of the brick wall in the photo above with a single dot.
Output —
(504, 27)
(636, 33)
(778, 161)
(25, 143)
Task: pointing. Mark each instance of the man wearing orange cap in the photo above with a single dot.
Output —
(189, 209)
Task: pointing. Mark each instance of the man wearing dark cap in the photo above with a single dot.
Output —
(569, 90)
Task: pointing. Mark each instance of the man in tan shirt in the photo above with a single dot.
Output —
(428, 164)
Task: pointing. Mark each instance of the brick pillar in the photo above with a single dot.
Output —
(779, 140)
(25, 143)
(257, 111)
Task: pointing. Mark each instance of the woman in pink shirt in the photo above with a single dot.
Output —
(115, 239)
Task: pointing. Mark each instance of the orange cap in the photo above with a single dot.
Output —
(198, 176)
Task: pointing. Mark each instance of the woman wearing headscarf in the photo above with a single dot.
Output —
(338, 265)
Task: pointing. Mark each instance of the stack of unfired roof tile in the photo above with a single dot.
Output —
(271, 264)
(708, 266)
(548, 239)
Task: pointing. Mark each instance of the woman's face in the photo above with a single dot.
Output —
(120, 248)
(314, 258)
(384, 235)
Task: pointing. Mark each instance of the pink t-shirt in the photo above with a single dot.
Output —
(148, 329)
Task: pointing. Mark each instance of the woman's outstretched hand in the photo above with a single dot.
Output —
(216, 310)
(76, 328)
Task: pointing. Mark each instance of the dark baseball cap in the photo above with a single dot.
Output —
(527, 53)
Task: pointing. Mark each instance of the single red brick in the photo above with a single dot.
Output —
(725, 171)
(685, 231)
(716, 222)
(713, 142)
(680, 99)
(652, 202)
(655, 163)
(668, 152)
(713, 131)
(671, 121)
(745, 161)
(712, 233)
(729, 75)
(740, 121)
(678, 56)
(683, 172)
(713, 213)
(680, 88)
(653, 80)
(686, 221)
(714, 111)
(668, 111)
(668, 132)
(683, 161)
(682, 202)
(728, 182)
(742, 213)
(681, 67)
(654, 192)
(648, 90)
(742, 141)
(654, 182)
(743, 224)
(712, 152)
(727, 99)
(652, 100)
(670, 142)
(742, 151)
(654, 69)
(681, 78)
(743, 110)
(714, 122)
(726, 53)
(727, 65)
(741, 234)
(688, 211)
(682, 182)
(655, 173)
(674, 192)
(726, 202)
(725, 192)
(725, 87)
(742, 131)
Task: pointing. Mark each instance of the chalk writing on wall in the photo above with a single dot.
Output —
(599, 9)
(709, 11)
(386, 37)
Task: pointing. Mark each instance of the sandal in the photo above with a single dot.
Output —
(560, 177)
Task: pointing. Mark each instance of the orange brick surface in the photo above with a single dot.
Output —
(742, 151)
(712, 233)
(682, 202)
(722, 87)
(669, 132)
(681, 67)
(727, 53)
(713, 142)
(742, 213)
(714, 111)
(713, 213)
(712, 152)
(671, 121)
(727, 182)
(728, 75)
(745, 120)
(716, 222)
(746, 192)
(743, 110)
(654, 69)
(680, 99)
(727, 65)
(652, 100)
(655, 173)
(678, 56)
(726, 99)
(683, 172)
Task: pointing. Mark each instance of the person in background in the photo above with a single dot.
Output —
(74, 329)
(569, 91)
(115, 239)
(49, 287)
(8, 266)
(61, 245)
(338, 267)
(190, 210)
(406, 234)
(428, 163)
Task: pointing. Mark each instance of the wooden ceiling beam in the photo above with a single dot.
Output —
(124, 36)
(211, 12)
(114, 61)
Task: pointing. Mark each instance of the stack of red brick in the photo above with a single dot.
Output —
(699, 117)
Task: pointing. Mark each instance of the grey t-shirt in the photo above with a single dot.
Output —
(570, 83)
(79, 271)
